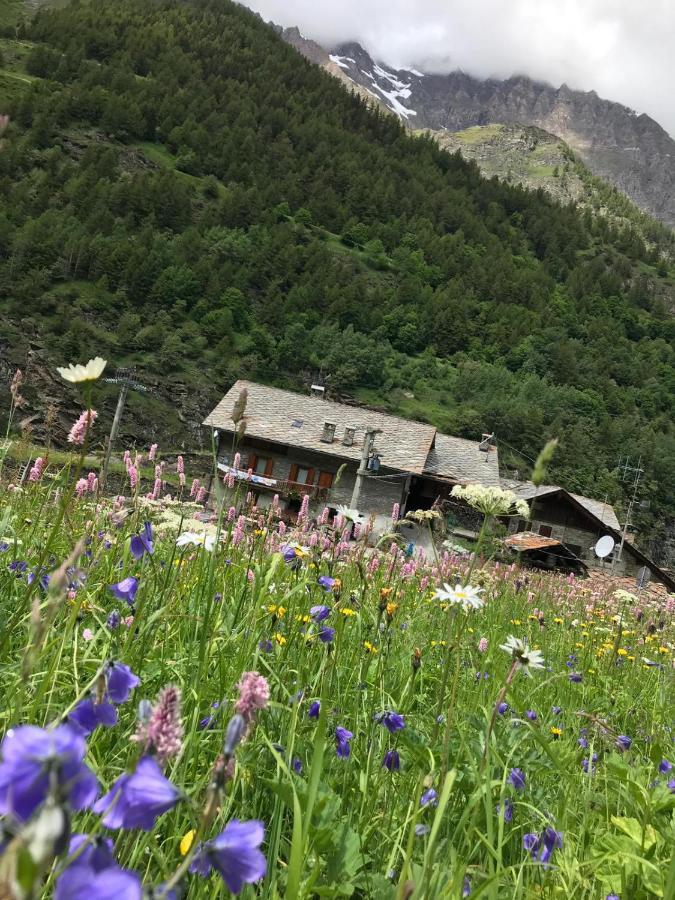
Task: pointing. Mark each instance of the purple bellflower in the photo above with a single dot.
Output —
(137, 799)
(392, 721)
(34, 759)
(391, 761)
(94, 873)
(142, 543)
(235, 854)
(88, 714)
(314, 709)
(342, 739)
(429, 798)
(623, 742)
(541, 847)
(319, 613)
(120, 681)
(516, 779)
(125, 589)
(326, 582)
(665, 767)
(326, 634)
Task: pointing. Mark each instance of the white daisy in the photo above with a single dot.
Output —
(520, 652)
(348, 513)
(207, 541)
(465, 595)
(90, 372)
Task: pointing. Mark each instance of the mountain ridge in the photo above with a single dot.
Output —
(630, 150)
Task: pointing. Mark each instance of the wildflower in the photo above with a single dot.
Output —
(37, 469)
(326, 634)
(665, 767)
(429, 798)
(326, 582)
(506, 810)
(314, 709)
(163, 731)
(96, 878)
(541, 847)
(120, 681)
(319, 613)
(192, 538)
(556, 732)
(342, 739)
(517, 779)
(466, 596)
(79, 430)
(266, 646)
(521, 654)
(77, 374)
(137, 799)
(88, 714)
(466, 887)
(531, 715)
(623, 742)
(392, 721)
(87, 634)
(142, 543)
(235, 855)
(353, 515)
(588, 765)
(421, 830)
(502, 708)
(114, 620)
(369, 648)
(279, 638)
(492, 501)
(234, 734)
(125, 589)
(152, 452)
(347, 611)
(391, 761)
(186, 842)
(575, 677)
(296, 765)
(483, 645)
(254, 695)
(36, 761)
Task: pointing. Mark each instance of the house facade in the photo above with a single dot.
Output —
(295, 445)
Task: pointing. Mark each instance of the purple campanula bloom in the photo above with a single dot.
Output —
(288, 553)
(531, 842)
(142, 543)
(120, 681)
(531, 715)
(326, 634)
(466, 888)
(429, 798)
(575, 677)
(517, 779)
(342, 739)
(112, 883)
(319, 613)
(665, 767)
(266, 646)
(296, 765)
(556, 710)
(114, 620)
(623, 742)
(88, 714)
(125, 589)
(96, 853)
(326, 582)
(33, 759)
(421, 830)
(508, 809)
(391, 761)
(588, 765)
(583, 742)
(392, 721)
(234, 732)
(503, 708)
(550, 841)
(137, 799)
(235, 854)
(314, 709)
(612, 897)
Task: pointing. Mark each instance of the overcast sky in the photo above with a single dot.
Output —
(623, 49)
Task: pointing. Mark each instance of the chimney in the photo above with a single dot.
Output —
(318, 390)
(348, 439)
(486, 442)
(328, 432)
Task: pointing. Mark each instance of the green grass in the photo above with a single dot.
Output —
(478, 134)
(339, 826)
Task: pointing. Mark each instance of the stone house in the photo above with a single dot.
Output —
(577, 523)
(296, 444)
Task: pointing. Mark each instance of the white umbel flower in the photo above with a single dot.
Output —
(348, 513)
(520, 652)
(207, 541)
(90, 372)
(491, 501)
(464, 595)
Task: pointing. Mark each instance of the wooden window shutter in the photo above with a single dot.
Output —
(293, 474)
(325, 479)
(252, 462)
(310, 477)
(269, 465)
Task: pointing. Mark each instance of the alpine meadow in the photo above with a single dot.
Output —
(217, 679)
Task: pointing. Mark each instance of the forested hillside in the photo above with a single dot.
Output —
(181, 191)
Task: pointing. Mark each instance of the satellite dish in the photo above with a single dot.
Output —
(604, 546)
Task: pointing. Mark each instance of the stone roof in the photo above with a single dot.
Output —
(601, 511)
(298, 420)
(461, 461)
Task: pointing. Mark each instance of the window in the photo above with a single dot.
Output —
(522, 526)
(301, 475)
(545, 530)
(261, 465)
(325, 479)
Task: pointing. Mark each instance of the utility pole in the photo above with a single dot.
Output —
(368, 439)
(125, 381)
(636, 473)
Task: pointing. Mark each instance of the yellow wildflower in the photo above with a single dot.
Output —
(346, 611)
(305, 619)
(278, 611)
(664, 650)
(557, 620)
(555, 731)
(516, 622)
(280, 639)
(622, 651)
(369, 648)
(391, 608)
(186, 841)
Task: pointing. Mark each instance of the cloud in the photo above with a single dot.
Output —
(623, 49)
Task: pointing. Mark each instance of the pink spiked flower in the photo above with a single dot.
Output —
(79, 430)
(483, 645)
(92, 481)
(254, 695)
(395, 512)
(181, 479)
(157, 488)
(152, 452)
(201, 495)
(37, 469)
(236, 462)
(180, 465)
(163, 731)
(132, 472)
(194, 487)
(81, 487)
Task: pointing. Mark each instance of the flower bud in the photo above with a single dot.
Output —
(236, 728)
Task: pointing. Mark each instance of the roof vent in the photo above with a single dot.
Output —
(348, 439)
(328, 432)
(318, 390)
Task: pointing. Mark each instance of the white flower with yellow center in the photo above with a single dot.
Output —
(522, 655)
(207, 541)
(464, 595)
(90, 372)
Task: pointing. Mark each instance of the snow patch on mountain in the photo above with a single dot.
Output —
(341, 60)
